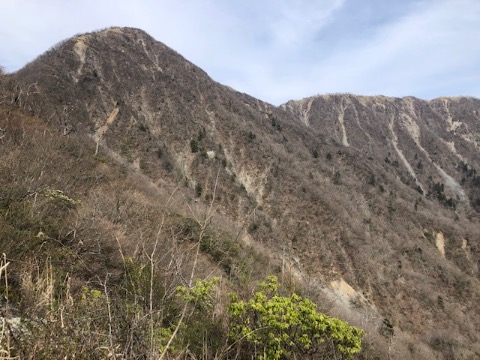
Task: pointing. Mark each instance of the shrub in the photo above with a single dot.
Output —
(198, 190)
(194, 146)
(273, 327)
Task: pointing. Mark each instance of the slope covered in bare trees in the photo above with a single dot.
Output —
(367, 205)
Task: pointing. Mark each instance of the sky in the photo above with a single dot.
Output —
(278, 50)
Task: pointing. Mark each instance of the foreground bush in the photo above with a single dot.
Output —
(277, 327)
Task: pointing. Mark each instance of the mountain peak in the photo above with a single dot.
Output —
(126, 33)
(370, 194)
(110, 66)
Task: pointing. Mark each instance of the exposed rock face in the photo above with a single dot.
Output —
(340, 189)
(428, 142)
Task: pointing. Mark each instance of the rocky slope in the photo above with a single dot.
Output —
(370, 204)
(435, 142)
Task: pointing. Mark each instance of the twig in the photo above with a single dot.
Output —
(110, 320)
(203, 227)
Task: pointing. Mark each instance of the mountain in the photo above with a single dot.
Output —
(367, 205)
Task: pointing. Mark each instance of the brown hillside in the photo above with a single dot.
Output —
(369, 204)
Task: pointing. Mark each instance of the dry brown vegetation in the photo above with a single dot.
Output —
(74, 284)
(112, 154)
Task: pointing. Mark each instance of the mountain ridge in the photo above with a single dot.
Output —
(352, 194)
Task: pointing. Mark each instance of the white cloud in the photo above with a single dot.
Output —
(412, 55)
(284, 49)
(292, 24)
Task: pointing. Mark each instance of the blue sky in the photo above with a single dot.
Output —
(278, 50)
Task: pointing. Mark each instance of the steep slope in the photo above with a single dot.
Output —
(78, 235)
(370, 202)
(430, 143)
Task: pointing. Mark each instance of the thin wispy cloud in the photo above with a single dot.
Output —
(280, 50)
(433, 43)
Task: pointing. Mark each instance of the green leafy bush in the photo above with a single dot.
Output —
(277, 327)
